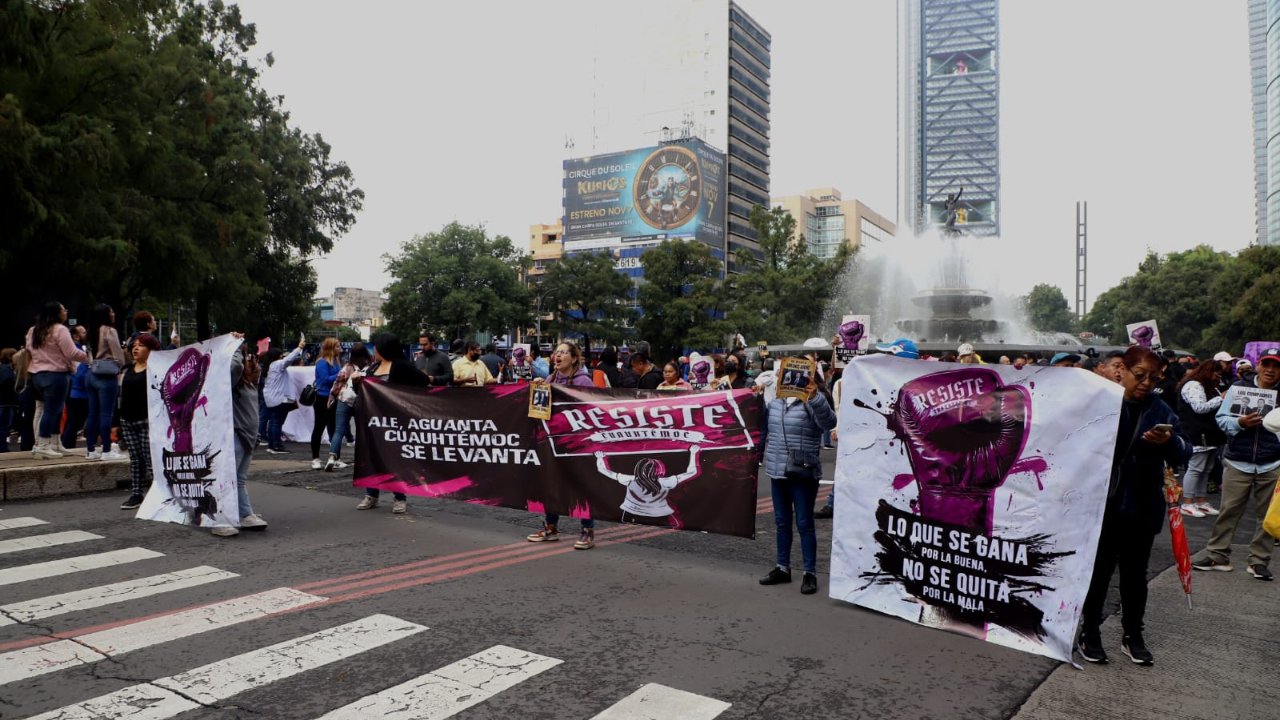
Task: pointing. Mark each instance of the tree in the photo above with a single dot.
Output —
(587, 296)
(1245, 294)
(781, 296)
(1047, 309)
(680, 301)
(456, 281)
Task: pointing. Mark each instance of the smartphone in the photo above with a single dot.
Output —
(1164, 426)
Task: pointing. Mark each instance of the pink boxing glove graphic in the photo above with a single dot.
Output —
(517, 357)
(180, 392)
(701, 371)
(851, 334)
(963, 430)
(1144, 335)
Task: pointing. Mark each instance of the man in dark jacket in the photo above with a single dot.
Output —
(433, 363)
(628, 377)
(647, 375)
(493, 361)
(1250, 464)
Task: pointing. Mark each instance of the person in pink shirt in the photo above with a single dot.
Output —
(53, 359)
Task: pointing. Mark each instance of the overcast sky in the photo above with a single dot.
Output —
(460, 111)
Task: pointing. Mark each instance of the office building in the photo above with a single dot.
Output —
(691, 68)
(949, 113)
(545, 247)
(1264, 53)
(826, 221)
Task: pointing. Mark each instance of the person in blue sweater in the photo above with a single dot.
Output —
(327, 369)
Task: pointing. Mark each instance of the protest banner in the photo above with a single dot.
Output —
(192, 430)
(685, 461)
(972, 499)
(853, 338)
(1145, 334)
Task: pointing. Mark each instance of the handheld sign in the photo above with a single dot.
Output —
(794, 377)
(540, 401)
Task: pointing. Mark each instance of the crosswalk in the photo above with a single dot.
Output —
(458, 685)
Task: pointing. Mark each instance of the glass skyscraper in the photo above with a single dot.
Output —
(949, 113)
(1264, 65)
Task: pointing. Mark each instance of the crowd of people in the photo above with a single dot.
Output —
(1174, 418)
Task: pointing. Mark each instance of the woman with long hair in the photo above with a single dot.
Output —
(102, 382)
(53, 359)
(391, 366)
(134, 420)
(1200, 402)
(567, 369)
(343, 398)
(734, 376)
(277, 393)
(1149, 436)
(606, 373)
(327, 369)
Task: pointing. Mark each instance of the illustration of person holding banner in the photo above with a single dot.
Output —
(647, 489)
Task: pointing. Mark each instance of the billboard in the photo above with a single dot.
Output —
(652, 194)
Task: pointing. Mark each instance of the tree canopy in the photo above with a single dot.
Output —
(589, 297)
(141, 157)
(458, 282)
(1047, 309)
(681, 301)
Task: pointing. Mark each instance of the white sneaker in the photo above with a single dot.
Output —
(253, 522)
(93, 456)
(113, 455)
(1192, 510)
(225, 531)
(367, 503)
(338, 464)
(1206, 508)
(45, 449)
(316, 464)
(399, 507)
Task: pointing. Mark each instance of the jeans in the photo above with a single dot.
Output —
(554, 520)
(323, 419)
(51, 388)
(796, 497)
(826, 438)
(102, 392)
(375, 492)
(24, 419)
(6, 422)
(1196, 478)
(275, 426)
(1124, 543)
(244, 455)
(342, 421)
(77, 413)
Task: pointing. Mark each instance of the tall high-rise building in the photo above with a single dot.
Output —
(1258, 83)
(949, 113)
(690, 68)
(1269, 162)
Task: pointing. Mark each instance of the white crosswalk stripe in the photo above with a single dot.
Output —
(21, 522)
(654, 701)
(52, 657)
(44, 541)
(80, 563)
(451, 689)
(215, 682)
(77, 600)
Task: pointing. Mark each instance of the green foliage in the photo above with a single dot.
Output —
(1047, 309)
(781, 296)
(458, 282)
(680, 299)
(587, 295)
(1204, 300)
(139, 156)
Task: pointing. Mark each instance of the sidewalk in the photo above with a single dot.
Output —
(23, 477)
(1220, 660)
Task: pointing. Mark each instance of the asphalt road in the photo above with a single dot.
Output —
(365, 601)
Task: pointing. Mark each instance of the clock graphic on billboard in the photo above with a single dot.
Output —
(668, 187)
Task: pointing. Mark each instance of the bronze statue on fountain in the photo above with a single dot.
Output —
(951, 205)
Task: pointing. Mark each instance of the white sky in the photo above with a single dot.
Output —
(460, 111)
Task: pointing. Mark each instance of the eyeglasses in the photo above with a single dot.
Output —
(1143, 377)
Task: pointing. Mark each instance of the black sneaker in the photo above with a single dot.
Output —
(132, 503)
(1090, 648)
(1207, 563)
(776, 576)
(809, 584)
(826, 512)
(1261, 572)
(1136, 649)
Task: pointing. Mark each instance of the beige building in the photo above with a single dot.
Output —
(545, 247)
(826, 220)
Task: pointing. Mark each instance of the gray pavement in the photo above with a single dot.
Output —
(678, 609)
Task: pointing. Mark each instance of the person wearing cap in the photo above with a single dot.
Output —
(1064, 359)
(1224, 361)
(901, 347)
(1250, 464)
(966, 355)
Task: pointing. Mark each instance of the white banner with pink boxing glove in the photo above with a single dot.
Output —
(970, 497)
(193, 460)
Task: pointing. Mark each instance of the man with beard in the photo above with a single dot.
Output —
(432, 362)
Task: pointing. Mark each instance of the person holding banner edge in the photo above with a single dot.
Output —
(567, 369)
(1149, 435)
(391, 366)
(794, 467)
(245, 375)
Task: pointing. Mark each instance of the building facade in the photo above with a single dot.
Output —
(1265, 68)
(826, 221)
(701, 69)
(949, 113)
(353, 305)
(545, 247)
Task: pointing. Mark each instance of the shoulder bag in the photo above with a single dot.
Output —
(801, 466)
(308, 395)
